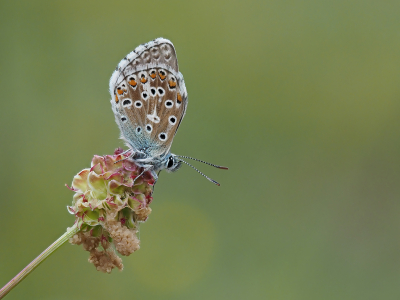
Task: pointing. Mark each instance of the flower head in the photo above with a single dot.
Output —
(109, 202)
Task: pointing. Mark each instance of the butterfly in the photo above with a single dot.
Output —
(149, 100)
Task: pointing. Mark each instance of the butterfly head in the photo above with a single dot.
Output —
(172, 163)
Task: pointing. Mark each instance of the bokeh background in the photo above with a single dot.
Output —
(299, 98)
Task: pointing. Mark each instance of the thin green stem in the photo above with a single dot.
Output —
(29, 268)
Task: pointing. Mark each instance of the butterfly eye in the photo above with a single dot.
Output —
(169, 103)
(149, 128)
(153, 91)
(161, 91)
(172, 120)
(126, 103)
(145, 95)
(170, 162)
(123, 119)
(138, 104)
(162, 136)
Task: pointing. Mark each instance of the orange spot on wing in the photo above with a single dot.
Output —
(172, 84)
(120, 91)
(179, 98)
(116, 98)
(132, 83)
(162, 76)
(153, 75)
(143, 80)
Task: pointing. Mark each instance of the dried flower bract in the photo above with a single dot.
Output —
(109, 202)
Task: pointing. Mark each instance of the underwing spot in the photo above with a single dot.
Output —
(138, 104)
(132, 81)
(153, 74)
(172, 120)
(153, 117)
(138, 129)
(121, 89)
(166, 51)
(153, 91)
(143, 78)
(162, 74)
(145, 95)
(179, 98)
(161, 91)
(169, 103)
(155, 53)
(162, 136)
(123, 119)
(146, 57)
(126, 102)
(172, 83)
(149, 128)
(116, 98)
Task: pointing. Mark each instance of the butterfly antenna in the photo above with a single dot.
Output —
(212, 180)
(204, 162)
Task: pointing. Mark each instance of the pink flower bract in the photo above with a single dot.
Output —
(109, 202)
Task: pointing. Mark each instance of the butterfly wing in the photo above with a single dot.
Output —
(149, 97)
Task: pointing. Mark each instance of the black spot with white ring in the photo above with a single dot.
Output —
(126, 102)
(153, 91)
(138, 104)
(169, 103)
(123, 119)
(138, 129)
(149, 128)
(145, 95)
(161, 91)
(172, 120)
(162, 136)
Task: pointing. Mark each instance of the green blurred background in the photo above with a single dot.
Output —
(299, 98)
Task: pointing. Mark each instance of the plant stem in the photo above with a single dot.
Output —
(29, 268)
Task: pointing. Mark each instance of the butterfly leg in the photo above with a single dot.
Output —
(155, 176)
(146, 168)
(126, 151)
(130, 155)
